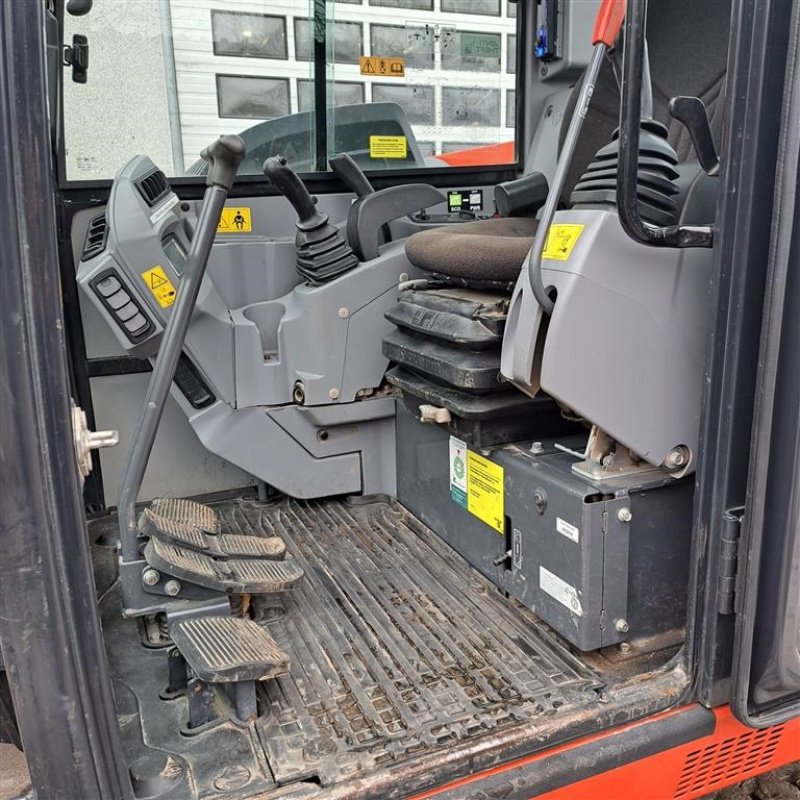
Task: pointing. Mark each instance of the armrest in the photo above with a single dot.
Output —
(369, 213)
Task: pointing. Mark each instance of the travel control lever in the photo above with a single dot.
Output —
(322, 252)
(223, 157)
(353, 176)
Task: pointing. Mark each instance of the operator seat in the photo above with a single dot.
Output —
(688, 44)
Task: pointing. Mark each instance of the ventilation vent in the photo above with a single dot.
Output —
(95, 238)
(153, 186)
(655, 189)
(729, 761)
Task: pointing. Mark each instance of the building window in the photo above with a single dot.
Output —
(511, 108)
(340, 93)
(413, 43)
(511, 9)
(470, 50)
(417, 101)
(417, 5)
(249, 35)
(470, 106)
(490, 8)
(249, 97)
(511, 55)
(344, 43)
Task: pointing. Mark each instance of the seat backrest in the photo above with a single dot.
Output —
(688, 50)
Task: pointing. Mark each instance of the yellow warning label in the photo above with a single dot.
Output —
(235, 219)
(485, 491)
(385, 67)
(561, 239)
(160, 285)
(388, 147)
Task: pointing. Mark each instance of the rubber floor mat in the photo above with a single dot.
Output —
(398, 648)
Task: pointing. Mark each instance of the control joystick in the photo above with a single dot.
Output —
(322, 252)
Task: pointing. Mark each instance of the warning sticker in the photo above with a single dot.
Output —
(561, 239)
(385, 67)
(388, 147)
(458, 471)
(235, 219)
(485, 491)
(560, 590)
(160, 285)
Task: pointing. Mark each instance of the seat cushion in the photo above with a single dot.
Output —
(484, 250)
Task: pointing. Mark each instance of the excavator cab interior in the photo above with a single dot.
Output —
(469, 440)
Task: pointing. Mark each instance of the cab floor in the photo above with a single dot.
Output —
(399, 651)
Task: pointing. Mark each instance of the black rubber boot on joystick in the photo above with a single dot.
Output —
(322, 251)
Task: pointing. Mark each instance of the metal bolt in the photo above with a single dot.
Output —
(333, 394)
(609, 460)
(344, 312)
(622, 626)
(172, 588)
(403, 277)
(677, 457)
(150, 577)
(537, 447)
(624, 515)
(625, 648)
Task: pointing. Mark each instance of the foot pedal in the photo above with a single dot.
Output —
(187, 512)
(228, 649)
(235, 576)
(176, 529)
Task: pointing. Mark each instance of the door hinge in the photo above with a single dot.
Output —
(729, 559)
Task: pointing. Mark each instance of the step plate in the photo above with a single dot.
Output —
(228, 649)
(236, 576)
(223, 545)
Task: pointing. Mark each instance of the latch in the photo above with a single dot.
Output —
(77, 57)
(729, 559)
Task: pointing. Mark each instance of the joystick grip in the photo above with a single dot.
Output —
(285, 179)
(223, 157)
(346, 168)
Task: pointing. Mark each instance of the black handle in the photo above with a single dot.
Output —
(346, 168)
(223, 157)
(285, 179)
(692, 113)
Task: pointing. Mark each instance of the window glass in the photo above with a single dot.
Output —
(417, 101)
(407, 42)
(344, 46)
(249, 97)
(511, 8)
(341, 94)
(421, 5)
(473, 51)
(511, 55)
(511, 107)
(251, 35)
(166, 77)
(470, 106)
(489, 7)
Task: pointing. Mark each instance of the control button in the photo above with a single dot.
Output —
(127, 311)
(118, 300)
(135, 323)
(108, 286)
